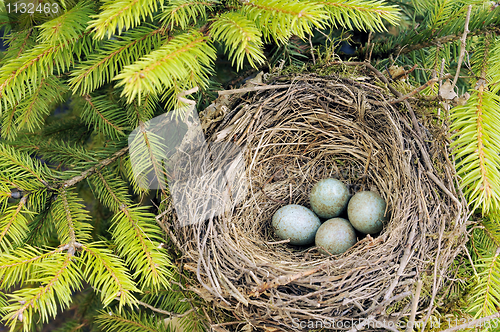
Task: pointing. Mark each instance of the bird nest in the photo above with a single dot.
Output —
(288, 136)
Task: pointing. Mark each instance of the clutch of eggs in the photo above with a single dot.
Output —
(328, 199)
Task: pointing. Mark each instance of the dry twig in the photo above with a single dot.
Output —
(463, 44)
(420, 88)
(414, 306)
(253, 88)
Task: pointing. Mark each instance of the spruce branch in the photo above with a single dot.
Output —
(473, 323)
(181, 13)
(61, 278)
(176, 61)
(103, 163)
(21, 170)
(137, 240)
(55, 151)
(279, 19)
(31, 112)
(3, 303)
(110, 190)
(24, 72)
(241, 36)
(485, 297)
(5, 194)
(13, 226)
(16, 269)
(147, 150)
(398, 50)
(108, 117)
(67, 26)
(107, 273)
(101, 67)
(9, 117)
(361, 15)
(476, 123)
(24, 42)
(141, 111)
(435, 35)
(129, 322)
(121, 14)
(71, 220)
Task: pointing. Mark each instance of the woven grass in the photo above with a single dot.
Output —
(320, 127)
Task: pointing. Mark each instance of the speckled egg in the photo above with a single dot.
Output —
(366, 212)
(336, 235)
(297, 223)
(329, 198)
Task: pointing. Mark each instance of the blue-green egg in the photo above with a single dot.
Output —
(366, 212)
(329, 198)
(297, 223)
(336, 235)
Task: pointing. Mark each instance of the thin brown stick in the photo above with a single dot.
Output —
(362, 324)
(279, 242)
(441, 73)
(253, 88)
(440, 41)
(284, 280)
(93, 169)
(181, 95)
(443, 187)
(463, 44)
(165, 312)
(312, 50)
(272, 199)
(414, 306)
(229, 323)
(368, 47)
(404, 261)
(420, 88)
(378, 308)
(435, 282)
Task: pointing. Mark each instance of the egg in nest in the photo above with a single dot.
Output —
(366, 212)
(336, 235)
(329, 198)
(297, 223)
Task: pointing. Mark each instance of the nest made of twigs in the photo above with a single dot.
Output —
(309, 129)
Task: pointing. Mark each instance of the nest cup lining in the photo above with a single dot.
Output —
(324, 127)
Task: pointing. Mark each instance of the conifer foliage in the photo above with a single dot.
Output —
(434, 45)
(74, 225)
